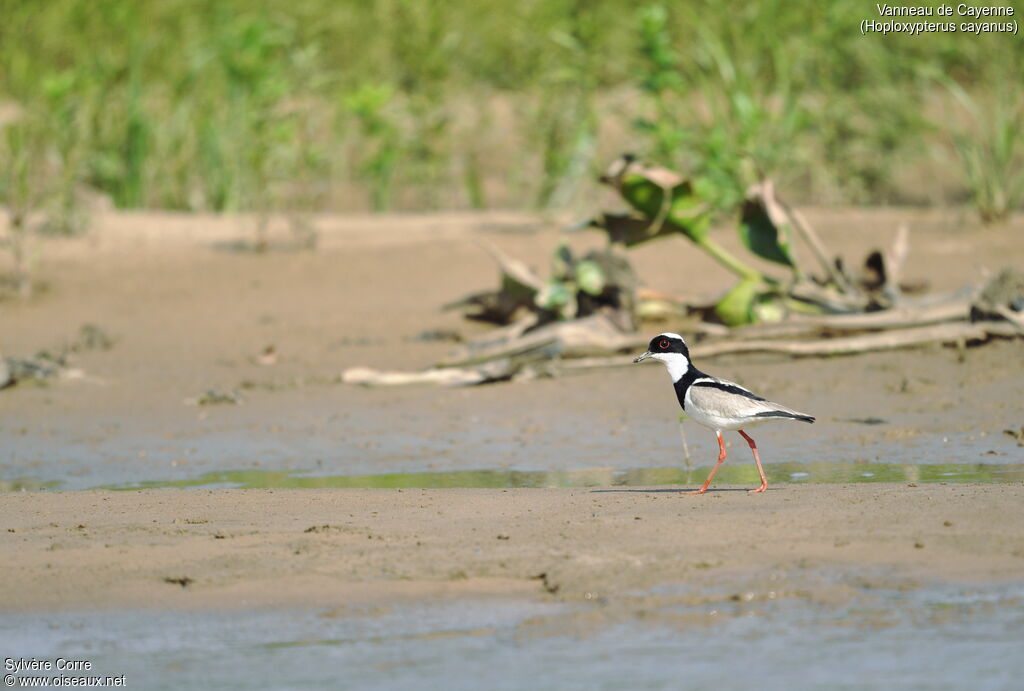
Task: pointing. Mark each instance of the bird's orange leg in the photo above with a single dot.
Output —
(721, 457)
(757, 459)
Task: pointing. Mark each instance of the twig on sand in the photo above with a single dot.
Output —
(817, 246)
(591, 335)
(448, 376)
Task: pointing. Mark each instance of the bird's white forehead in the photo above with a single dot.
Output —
(671, 335)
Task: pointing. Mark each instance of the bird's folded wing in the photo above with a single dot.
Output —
(729, 400)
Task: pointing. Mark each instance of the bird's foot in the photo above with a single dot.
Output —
(759, 489)
(695, 491)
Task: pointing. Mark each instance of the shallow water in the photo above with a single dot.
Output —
(308, 440)
(485, 458)
(801, 473)
(820, 472)
(895, 636)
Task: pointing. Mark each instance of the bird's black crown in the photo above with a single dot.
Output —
(668, 343)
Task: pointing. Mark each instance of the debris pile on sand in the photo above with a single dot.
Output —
(588, 312)
(48, 365)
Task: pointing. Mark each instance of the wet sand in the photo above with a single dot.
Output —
(236, 549)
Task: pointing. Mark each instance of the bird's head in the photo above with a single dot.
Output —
(670, 349)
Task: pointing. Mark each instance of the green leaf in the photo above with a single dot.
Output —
(689, 212)
(642, 193)
(762, 228)
(646, 190)
(554, 295)
(590, 277)
(736, 307)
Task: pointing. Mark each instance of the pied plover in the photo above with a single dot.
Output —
(715, 403)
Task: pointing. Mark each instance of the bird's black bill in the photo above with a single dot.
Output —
(642, 357)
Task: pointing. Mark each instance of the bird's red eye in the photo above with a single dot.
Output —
(664, 344)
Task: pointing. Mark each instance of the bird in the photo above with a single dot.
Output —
(716, 403)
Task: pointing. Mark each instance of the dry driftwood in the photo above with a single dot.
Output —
(591, 335)
(1014, 318)
(507, 368)
(367, 376)
(829, 298)
(953, 308)
(897, 257)
(885, 340)
(497, 370)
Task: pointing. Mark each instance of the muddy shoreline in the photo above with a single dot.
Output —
(259, 548)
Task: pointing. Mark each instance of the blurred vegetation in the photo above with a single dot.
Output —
(271, 106)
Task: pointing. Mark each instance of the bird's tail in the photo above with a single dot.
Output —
(787, 414)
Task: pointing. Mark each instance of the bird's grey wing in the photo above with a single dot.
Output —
(724, 399)
(727, 399)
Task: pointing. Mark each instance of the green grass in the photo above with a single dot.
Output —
(991, 151)
(273, 106)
